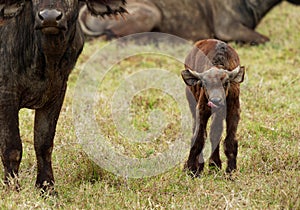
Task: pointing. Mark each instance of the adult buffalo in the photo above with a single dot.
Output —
(40, 41)
(227, 20)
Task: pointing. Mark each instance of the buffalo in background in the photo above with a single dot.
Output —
(227, 20)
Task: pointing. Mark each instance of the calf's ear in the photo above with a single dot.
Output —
(105, 7)
(237, 75)
(191, 78)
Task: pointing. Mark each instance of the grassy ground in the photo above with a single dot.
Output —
(268, 175)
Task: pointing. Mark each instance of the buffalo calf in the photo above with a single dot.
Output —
(213, 75)
(40, 41)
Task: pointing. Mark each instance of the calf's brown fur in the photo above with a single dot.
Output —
(212, 75)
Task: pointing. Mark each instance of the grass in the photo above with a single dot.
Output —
(268, 175)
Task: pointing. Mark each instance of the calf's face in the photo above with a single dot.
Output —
(215, 82)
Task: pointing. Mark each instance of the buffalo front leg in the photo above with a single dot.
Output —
(44, 131)
(231, 143)
(195, 162)
(239, 32)
(10, 142)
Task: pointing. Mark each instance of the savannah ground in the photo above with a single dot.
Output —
(268, 175)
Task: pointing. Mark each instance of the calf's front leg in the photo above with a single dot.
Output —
(231, 143)
(215, 134)
(195, 162)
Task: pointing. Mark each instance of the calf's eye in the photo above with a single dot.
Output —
(225, 85)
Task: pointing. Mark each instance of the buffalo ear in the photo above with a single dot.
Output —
(237, 75)
(10, 9)
(191, 78)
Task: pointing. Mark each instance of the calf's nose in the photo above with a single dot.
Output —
(216, 101)
(50, 16)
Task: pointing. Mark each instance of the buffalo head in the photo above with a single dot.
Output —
(53, 17)
(215, 82)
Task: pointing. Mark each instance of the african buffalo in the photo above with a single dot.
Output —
(227, 20)
(213, 75)
(40, 41)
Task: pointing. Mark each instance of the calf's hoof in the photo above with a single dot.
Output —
(215, 165)
(230, 170)
(193, 170)
(231, 166)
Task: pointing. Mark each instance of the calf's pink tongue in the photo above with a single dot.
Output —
(211, 105)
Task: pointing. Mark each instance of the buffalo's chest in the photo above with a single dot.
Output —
(37, 92)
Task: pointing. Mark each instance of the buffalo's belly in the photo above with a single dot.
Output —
(34, 100)
(189, 29)
(31, 92)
